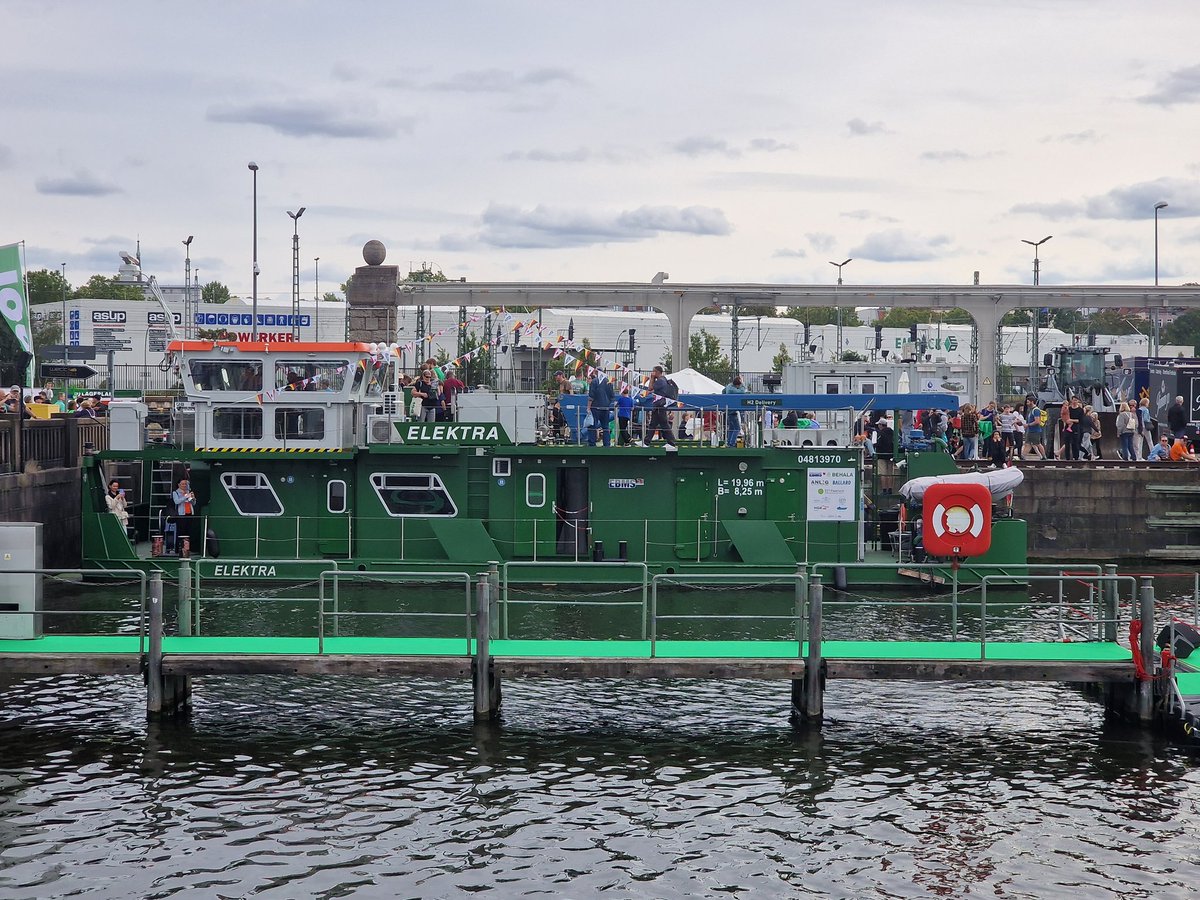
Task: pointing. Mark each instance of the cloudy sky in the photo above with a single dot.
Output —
(555, 141)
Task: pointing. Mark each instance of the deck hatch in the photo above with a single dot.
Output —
(759, 543)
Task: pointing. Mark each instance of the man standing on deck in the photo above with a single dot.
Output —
(600, 403)
(734, 420)
(659, 420)
(1177, 417)
(451, 385)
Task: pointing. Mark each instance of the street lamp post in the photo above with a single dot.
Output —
(838, 303)
(1162, 204)
(188, 311)
(253, 167)
(1034, 363)
(64, 310)
(295, 217)
(317, 296)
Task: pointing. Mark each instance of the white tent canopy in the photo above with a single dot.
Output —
(692, 382)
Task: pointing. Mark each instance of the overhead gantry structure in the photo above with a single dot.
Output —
(986, 304)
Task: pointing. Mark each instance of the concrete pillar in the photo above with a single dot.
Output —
(987, 321)
(485, 683)
(680, 310)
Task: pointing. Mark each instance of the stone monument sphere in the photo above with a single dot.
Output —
(374, 253)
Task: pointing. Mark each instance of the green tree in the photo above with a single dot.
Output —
(424, 275)
(823, 315)
(705, 356)
(780, 359)
(46, 286)
(330, 297)
(1184, 330)
(1111, 321)
(957, 316)
(853, 356)
(214, 292)
(1016, 317)
(106, 287)
(903, 317)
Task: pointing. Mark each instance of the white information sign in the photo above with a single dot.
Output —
(831, 495)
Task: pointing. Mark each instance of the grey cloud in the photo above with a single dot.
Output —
(81, 184)
(1130, 202)
(579, 154)
(1180, 86)
(1073, 137)
(770, 145)
(543, 227)
(865, 214)
(502, 81)
(6, 156)
(946, 155)
(344, 72)
(820, 240)
(859, 127)
(895, 245)
(299, 118)
(789, 253)
(703, 145)
(795, 181)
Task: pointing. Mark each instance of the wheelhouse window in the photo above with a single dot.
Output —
(327, 375)
(251, 493)
(225, 375)
(299, 423)
(237, 423)
(411, 494)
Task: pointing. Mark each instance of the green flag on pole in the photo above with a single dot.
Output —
(14, 304)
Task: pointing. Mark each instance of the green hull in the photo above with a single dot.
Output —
(562, 515)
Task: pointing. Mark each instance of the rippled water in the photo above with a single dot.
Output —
(345, 787)
(310, 787)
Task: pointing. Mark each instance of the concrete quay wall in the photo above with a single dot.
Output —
(1097, 513)
(51, 497)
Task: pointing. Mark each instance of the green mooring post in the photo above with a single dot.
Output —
(484, 681)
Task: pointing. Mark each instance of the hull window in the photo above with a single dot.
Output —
(335, 496)
(304, 423)
(251, 493)
(237, 423)
(411, 494)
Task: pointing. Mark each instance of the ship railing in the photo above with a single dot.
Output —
(505, 570)
(12, 605)
(796, 618)
(331, 611)
(1094, 617)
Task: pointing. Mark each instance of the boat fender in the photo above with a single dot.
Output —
(839, 577)
(212, 544)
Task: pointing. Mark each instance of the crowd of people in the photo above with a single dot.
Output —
(82, 406)
(433, 390)
(1002, 434)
